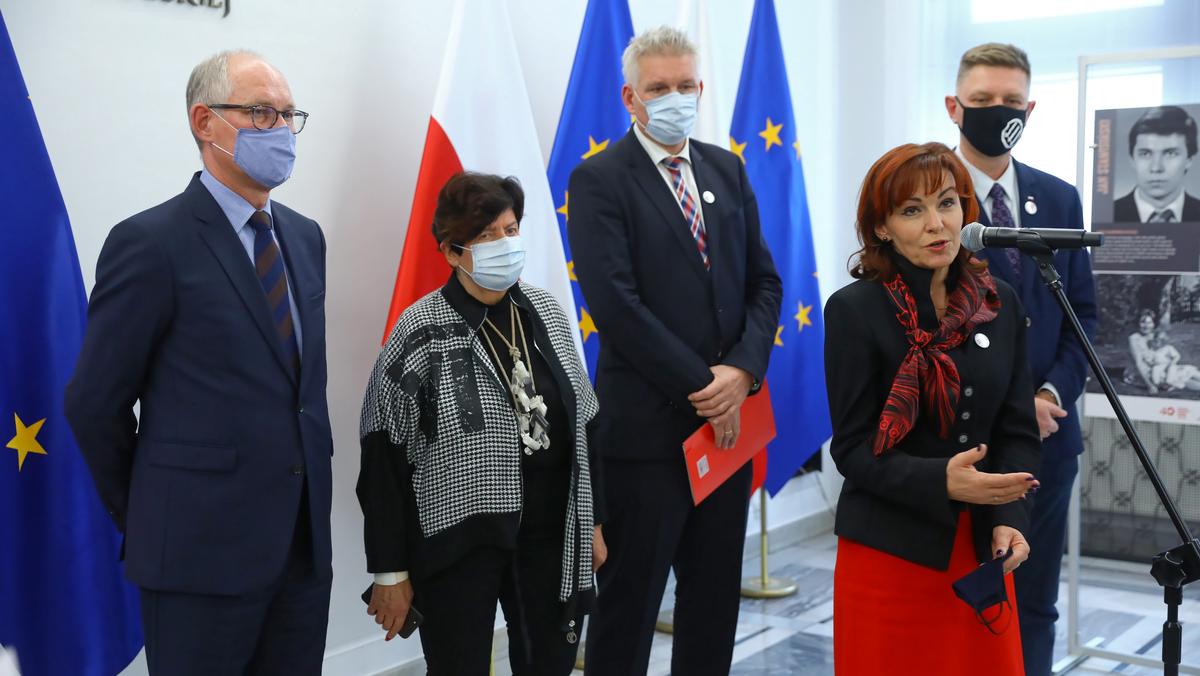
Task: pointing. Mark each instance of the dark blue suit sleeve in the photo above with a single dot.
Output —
(600, 247)
(1070, 369)
(130, 309)
(764, 293)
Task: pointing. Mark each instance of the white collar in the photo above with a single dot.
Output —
(658, 153)
(983, 182)
(1145, 208)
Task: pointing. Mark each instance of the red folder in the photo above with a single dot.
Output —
(708, 466)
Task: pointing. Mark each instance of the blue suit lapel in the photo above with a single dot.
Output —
(705, 180)
(1030, 193)
(227, 248)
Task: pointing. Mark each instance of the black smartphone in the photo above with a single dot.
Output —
(411, 621)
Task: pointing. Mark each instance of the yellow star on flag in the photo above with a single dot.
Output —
(779, 336)
(771, 134)
(595, 148)
(563, 209)
(796, 145)
(738, 149)
(26, 440)
(802, 319)
(586, 325)
(571, 271)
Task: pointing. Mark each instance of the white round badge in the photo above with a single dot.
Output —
(982, 340)
(1030, 206)
(708, 197)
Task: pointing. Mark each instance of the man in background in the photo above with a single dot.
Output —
(990, 107)
(1162, 144)
(684, 292)
(209, 312)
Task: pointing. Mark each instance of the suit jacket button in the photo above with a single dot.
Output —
(962, 438)
(297, 469)
(968, 391)
(1028, 322)
(301, 410)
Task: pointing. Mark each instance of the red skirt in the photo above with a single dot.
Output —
(892, 616)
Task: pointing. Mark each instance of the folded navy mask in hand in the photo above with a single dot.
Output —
(983, 589)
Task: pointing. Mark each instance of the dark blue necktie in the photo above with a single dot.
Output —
(268, 263)
(1003, 218)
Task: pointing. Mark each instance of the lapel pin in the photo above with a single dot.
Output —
(982, 341)
(1030, 206)
(708, 197)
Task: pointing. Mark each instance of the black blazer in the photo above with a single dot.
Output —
(897, 502)
(663, 319)
(1125, 210)
(206, 483)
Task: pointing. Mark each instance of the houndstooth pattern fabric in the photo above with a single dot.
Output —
(436, 394)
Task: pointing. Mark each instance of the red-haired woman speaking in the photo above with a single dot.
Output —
(934, 430)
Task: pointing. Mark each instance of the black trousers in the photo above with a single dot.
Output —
(459, 605)
(279, 630)
(652, 528)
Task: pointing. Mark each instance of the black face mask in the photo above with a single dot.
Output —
(992, 130)
(983, 589)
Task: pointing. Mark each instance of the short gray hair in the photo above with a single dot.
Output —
(209, 81)
(661, 41)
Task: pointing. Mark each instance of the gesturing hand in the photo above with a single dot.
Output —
(1047, 410)
(967, 484)
(389, 606)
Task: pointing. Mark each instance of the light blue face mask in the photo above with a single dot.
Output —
(266, 155)
(497, 264)
(672, 117)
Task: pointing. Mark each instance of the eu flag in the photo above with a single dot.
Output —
(763, 134)
(592, 117)
(64, 605)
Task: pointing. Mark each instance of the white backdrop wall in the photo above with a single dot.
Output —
(107, 80)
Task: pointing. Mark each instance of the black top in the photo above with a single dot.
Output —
(897, 502)
(546, 473)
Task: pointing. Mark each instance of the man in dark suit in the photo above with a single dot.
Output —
(668, 252)
(1162, 144)
(990, 106)
(208, 311)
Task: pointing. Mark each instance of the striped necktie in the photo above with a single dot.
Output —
(1164, 216)
(268, 263)
(1002, 218)
(691, 211)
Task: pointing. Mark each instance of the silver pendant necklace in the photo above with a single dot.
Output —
(529, 405)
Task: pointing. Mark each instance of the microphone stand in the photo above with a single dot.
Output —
(1175, 567)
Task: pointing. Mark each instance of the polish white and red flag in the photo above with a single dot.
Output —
(481, 121)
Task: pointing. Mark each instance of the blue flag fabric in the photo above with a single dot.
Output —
(592, 118)
(64, 604)
(763, 134)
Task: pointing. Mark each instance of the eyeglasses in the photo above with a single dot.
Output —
(266, 117)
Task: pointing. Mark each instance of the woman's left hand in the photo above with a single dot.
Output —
(1005, 538)
(599, 549)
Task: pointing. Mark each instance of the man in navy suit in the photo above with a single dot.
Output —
(1162, 144)
(208, 312)
(990, 107)
(668, 251)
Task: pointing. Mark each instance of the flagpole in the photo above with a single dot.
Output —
(764, 586)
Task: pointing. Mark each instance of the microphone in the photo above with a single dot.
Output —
(975, 237)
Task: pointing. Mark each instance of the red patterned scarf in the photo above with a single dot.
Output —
(927, 376)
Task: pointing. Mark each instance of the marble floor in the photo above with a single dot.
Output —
(1121, 608)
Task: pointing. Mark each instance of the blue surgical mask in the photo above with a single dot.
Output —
(672, 117)
(266, 155)
(497, 264)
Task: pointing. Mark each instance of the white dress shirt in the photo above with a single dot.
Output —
(1146, 209)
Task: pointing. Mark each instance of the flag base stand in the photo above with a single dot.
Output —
(763, 586)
